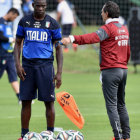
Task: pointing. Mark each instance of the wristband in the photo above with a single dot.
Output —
(72, 39)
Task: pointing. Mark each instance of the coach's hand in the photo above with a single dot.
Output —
(57, 80)
(20, 72)
(66, 41)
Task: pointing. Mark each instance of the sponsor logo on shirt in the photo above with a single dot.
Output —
(37, 24)
(122, 40)
(28, 22)
(121, 31)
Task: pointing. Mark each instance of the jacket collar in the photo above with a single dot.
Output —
(111, 20)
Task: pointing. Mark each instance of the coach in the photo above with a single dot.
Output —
(114, 56)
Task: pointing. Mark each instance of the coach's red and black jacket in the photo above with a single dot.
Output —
(114, 44)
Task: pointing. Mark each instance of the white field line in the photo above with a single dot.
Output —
(39, 116)
(33, 116)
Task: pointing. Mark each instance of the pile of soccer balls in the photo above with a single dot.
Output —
(48, 135)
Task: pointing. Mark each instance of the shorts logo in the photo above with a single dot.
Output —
(52, 96)
(3, 62)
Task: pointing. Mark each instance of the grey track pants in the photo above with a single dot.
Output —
(113, 85)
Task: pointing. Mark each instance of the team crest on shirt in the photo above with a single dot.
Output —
(47, 24)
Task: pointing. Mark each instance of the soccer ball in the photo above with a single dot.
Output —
(48, 135)
(26, 136)
(64, 135)
(76, 135)
(32, 136)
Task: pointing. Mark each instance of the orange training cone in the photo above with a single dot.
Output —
(70, 108)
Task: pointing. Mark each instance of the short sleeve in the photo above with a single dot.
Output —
(59, 8)
(56, 31)
(56, 34)
(20, 29)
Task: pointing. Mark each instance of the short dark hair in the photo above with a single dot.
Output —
(36, 0)
(13, 10)
(112, 8)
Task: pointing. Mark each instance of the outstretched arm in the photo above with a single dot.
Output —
(95, 37)
(81, 39)
(17, 51)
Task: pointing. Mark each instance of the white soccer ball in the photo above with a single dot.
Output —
(48, 135)
(77, 135)
(26, 136)
(64, 135)
(32, 136)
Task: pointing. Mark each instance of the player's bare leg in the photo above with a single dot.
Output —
(50, 115)
(25, 114)
(25, 117)
(15, 86)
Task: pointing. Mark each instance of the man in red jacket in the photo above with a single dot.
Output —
(114, 56)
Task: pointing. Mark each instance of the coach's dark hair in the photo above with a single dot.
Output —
(13, 10)
(112, 8)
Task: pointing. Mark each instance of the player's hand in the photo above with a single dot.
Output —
(66, 41)
(14, 40)
(11, 40)
(57, 80)
(20, 72)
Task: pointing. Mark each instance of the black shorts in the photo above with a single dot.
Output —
(39, 80)
(66, 29)
(8, 64)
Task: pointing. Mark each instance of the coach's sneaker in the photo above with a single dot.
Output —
(66, 50)
(74, 47)
(20, 139)
(121, 139)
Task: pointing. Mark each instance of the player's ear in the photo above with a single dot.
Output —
(107, 14)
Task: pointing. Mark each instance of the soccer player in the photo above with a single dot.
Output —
(114, 56)
(27, 7)
(65, 13)
(6, 49)
(38, 32)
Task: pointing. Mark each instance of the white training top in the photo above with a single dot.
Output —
(66, 13)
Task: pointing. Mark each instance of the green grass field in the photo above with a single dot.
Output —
(81, 79)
